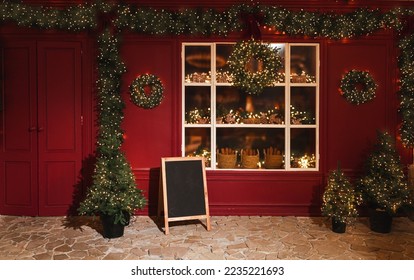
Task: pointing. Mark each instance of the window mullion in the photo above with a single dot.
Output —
(213, 117)
(287, 106)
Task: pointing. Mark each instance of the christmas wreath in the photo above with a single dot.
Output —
(242, 54)
(358, 87)
(138, 95)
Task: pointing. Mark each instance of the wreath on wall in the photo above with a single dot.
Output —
(138, 95)
(246, 52)
(358, 87)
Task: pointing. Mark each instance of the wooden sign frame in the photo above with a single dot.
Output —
(179, 165)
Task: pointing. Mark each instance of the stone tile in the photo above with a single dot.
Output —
(231, 237)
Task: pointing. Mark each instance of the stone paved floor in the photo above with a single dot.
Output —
(231, 237)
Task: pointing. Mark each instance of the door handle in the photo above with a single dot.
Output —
(40, 129)
(33, 128)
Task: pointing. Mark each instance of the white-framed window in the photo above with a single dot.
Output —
(275, 130)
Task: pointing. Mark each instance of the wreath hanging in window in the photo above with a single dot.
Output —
(138, 95)
(266, 58)
(358, 87)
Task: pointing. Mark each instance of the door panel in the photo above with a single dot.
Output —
(59, 124)
(18, 136)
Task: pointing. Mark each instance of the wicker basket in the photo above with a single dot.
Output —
(250, 162)
(251, 121)
(273, 161)
(226, 161)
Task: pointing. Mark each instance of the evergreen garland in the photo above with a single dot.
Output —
(113, 191)
(406, 65)
(74, 18)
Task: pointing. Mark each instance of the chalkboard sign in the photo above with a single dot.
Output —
(184, 190)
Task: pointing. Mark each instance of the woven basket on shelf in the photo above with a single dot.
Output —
(249, 161)
(226, 161)
(251, 121)
(273, 161)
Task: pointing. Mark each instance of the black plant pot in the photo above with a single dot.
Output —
(380, 221)
(338, 226)
(110, 229)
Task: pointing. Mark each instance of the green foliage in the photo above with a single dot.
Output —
(349, 89)
(406, 65)
(74, 18)
(114, 191)
(385, 186)
(254, 82)
(340, 200)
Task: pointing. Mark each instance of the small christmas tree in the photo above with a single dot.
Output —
(340, 199)
(385, 186)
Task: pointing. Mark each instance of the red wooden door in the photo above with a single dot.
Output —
(40, 157)
(18, 142)
(59, 125)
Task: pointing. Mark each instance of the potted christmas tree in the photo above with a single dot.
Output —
(113, 195)
(384, 187)
(340, 201)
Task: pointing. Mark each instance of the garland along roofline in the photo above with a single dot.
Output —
(212, 22)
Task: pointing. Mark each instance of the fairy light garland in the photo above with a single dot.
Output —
(113, 191)
(74, 18)
(349, 87)
(406, 92)
(138, 95)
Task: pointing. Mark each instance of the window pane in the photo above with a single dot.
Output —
(303, 105)
(234, 106)
(281, 52)
(197, 64)
(197, 143)
(197, 105)
(257, 142)
(303, 147)
(222, 68)
(303, 64)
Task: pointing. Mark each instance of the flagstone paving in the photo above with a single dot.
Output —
(231, 238)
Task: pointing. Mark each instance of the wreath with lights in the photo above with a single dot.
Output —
(358, 87)
(242, 54)
(138, 95)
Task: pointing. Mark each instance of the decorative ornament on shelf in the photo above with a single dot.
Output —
(358, 87)
(250, 52)
(138, 95)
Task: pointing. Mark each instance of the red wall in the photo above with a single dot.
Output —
(346, 131)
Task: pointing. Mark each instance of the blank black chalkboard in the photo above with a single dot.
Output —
(184, 189)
